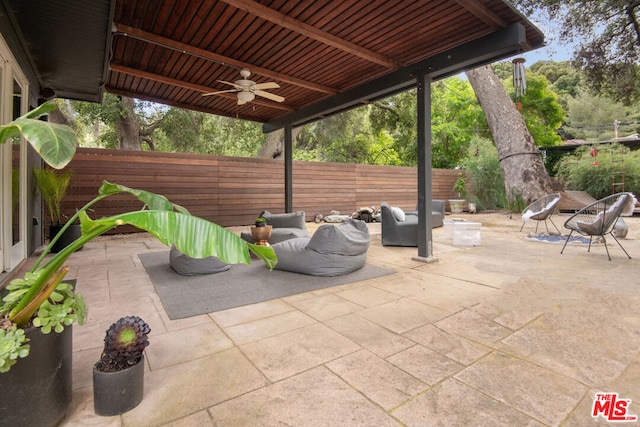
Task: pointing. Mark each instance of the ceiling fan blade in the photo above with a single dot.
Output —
(269, 85)
(271, 96)
(232, 84)
(218, 92)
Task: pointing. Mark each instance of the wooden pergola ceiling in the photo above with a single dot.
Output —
(173, 51)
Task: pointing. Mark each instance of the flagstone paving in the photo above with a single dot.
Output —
(508, 333)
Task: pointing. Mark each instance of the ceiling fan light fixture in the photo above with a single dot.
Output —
(247, 90)
(246, 96)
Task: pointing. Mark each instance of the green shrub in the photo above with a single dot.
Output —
(516, 203)
(484, 177)
(581, 174)
(458, 186)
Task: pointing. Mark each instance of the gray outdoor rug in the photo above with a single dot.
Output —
(186, 296)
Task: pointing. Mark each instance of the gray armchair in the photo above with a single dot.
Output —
(599, 219)
(396, 232)
(541, 210)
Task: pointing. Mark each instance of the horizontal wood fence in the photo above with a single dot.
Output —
(232, 191)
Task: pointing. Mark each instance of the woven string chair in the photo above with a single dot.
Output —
(599, 218)
(541, 210)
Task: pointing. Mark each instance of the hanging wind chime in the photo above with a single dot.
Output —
(519, 79)
(594, 154)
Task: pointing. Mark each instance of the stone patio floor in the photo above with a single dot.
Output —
(508, 333)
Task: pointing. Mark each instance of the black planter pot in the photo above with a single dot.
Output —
(70, 235)
(115, 393)
(37, 389)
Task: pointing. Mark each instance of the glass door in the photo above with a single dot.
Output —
(18, 182)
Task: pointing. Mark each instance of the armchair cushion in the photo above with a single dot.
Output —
(398, 213)
(541, 208)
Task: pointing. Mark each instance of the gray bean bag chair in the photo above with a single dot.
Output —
(188, 266)
(285, 226)
(332, 251)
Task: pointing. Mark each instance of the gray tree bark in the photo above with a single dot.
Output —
(128, 127)
(273, 147)
(131, 133)
(58, 116)
(520, 160)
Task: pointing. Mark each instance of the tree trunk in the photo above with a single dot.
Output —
(57, 116)
(128, 126)
(520, 160)
(273, 147)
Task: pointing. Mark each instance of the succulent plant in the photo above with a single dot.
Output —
(124, 343)
(12, 346)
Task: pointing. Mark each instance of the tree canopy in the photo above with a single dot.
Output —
(557, 105)
(607, 33)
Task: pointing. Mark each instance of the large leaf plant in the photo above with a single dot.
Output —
(41, 298)
(56, 143)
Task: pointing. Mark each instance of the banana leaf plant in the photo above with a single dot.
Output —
(41, 299)
(56, 143)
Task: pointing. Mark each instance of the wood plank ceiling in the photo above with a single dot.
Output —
(173, 51)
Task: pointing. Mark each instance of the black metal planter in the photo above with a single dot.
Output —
(70, 235)
(115, 393)
(37, 389)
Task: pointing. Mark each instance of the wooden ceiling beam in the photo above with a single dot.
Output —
(145, 36)
(191, 86)
(307, 30)
(239, 114)
(484, 50)
(483, 13)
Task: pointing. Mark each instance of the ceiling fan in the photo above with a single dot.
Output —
(248, 89)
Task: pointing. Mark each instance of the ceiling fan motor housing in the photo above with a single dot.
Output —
(246, 96)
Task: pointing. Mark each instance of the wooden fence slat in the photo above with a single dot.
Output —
(232, 191)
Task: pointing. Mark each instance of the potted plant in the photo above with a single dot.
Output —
(53, 186)
(261, 233)
(458, 204)
(118, 377)
(40, 307)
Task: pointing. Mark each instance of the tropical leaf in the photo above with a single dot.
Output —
(56, 143)
(151, 200)
(193, 236)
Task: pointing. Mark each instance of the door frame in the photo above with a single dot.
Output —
(11, 255)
